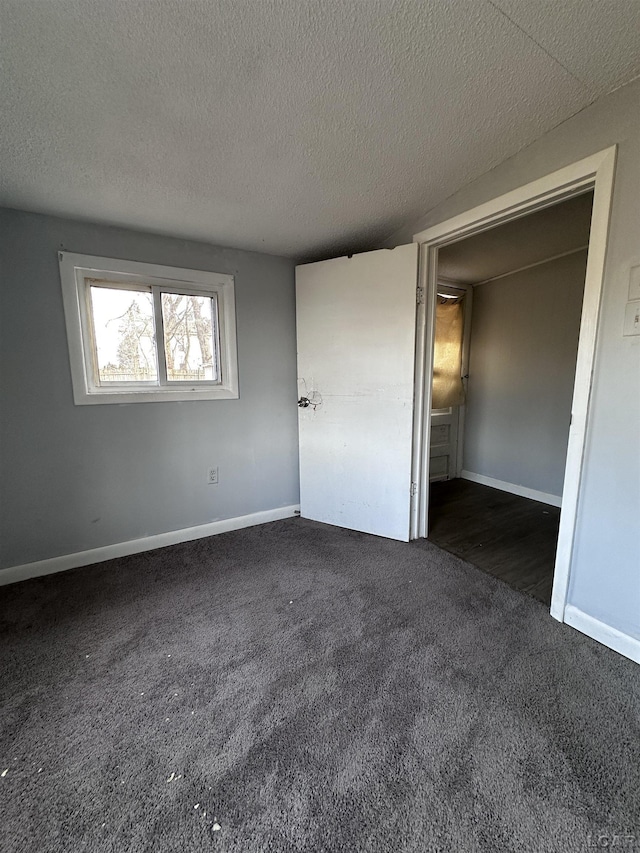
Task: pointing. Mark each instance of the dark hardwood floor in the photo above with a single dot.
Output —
(510, 537)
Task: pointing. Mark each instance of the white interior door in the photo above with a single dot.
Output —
(447, 425)
(443, 449)
(356, 319)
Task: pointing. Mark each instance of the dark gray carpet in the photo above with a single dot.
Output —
(307, 688)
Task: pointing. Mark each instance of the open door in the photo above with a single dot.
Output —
(596, 173)
(356, 323)
(450, 374)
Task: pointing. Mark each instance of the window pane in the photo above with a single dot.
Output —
(190, 337)
(124, 335)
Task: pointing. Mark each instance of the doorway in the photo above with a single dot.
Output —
(366, 329)
(594, 174)
(509, 379)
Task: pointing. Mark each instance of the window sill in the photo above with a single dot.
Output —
(177, 395)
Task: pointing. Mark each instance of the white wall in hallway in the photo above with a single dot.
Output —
(524, 342)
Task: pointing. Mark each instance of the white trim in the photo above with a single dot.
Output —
(423, 372)
(466, 348)
(544, 192)
(624, 644)
(421, 404)
(13, 574)
(513, 488)
(532, 266)
(594, 278)
(74, 268)
(597, 172)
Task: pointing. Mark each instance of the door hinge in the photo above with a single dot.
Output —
(420, 295)
(413, 490)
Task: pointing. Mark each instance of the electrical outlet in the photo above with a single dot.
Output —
(632, 318)
(212, 476)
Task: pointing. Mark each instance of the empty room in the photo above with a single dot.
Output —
(319, 425)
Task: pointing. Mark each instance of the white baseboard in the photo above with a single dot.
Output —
(136, 546)
(523, 491)
(624, 644)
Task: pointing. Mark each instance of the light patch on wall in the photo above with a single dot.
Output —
(448, 389)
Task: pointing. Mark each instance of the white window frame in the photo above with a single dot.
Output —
(76, 269)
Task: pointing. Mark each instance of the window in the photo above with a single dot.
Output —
(447, 388)
(147, 333)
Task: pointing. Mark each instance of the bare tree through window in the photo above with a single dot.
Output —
(125, 336)
(124, 333)
(188, 323)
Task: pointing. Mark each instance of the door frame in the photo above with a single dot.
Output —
(596, 173)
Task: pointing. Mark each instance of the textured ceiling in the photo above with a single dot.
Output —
(537, 237)
(289, 126)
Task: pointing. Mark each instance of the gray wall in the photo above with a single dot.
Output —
(79, 477)
(605, 575)
(522, 359)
